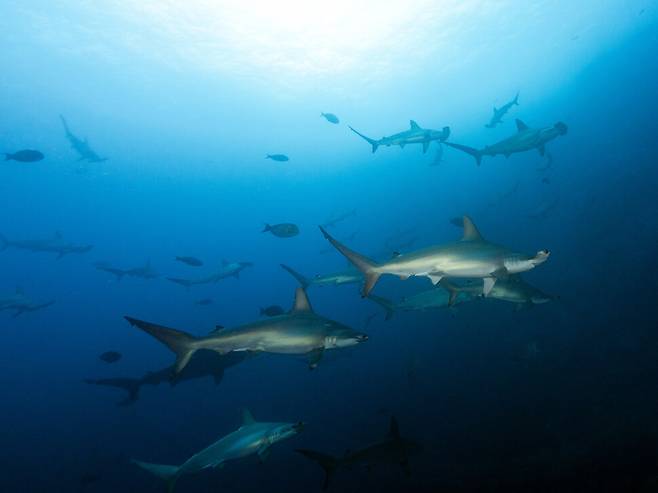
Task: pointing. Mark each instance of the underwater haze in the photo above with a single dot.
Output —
(462, 195)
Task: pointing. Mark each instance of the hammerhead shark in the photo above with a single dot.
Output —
(394, 449)
(228, 269)
(253, 437)
(430, 299)
(349, 276)
(80, 146)
(415, 135)
(19, 303)
(513, 289)
(50, 245)
(498, 113)
(301, 331)
(472, 257)
(525, 139)
(203, 364)
(144, 272)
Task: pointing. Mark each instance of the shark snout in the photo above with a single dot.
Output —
(541, 257)
(361, 337)
(298, 427)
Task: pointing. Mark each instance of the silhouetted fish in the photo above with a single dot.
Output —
(204, 302)
(24, 156)
(331, 118)
(272, 311)
(283, 230)
(278, 157)
(193, 261)
(110, 356)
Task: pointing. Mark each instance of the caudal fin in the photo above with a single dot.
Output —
(364, 264)
(516, 99)
(162, 471)
(370, 141)
(301, 279)
(328, 463)
(179, 342)
(469, 150)
(386, 304)
(130, 385)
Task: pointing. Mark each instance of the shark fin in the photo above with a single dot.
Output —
(413, 125)
(372, 142)
(542, 150)
(488, 284)
(520, 126)
(314, 358)
(426, 144)
(471, 232)
(384, 303)
(247, 417)
(263, 453)
(302, 280)
(468, 150)
(452, 289)
(217, 329)
(168, 473)
(516, 99)
(301, 302)
(435, 277)
(328, 463)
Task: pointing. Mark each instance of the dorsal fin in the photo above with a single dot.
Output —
(217, 329)
(520, 126)
(413, 125)
(393, 429)
(247, 418)
(471, 232)
(301, 301)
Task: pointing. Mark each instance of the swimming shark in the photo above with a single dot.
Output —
(513, 289)
(498, 113)
(348, 276)
(471, 257)
(430, 299)
(50, 245)
(526, 138)
(336, 218)
(19, 303)
(253, 437)
(203, 364)
(415, 135)
(144, 272)
(301, 331)
(228, 269)
(394, 449)
(80, 146)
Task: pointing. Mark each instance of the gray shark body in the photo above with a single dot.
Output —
(472, 257)
(512, 289)
(525, 139)
(301, 331)
(251, 438)
(393, 450)
(48, 245)
(335, 219)
(80, 146)
(430, 299)
(498, 113)
(415, 135)
(144, 272)
(348, 276)
(228, 269)
(20, 304)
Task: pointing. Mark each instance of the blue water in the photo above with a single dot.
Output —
(186, 100)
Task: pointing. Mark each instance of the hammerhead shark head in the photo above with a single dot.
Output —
(144, 272)
(498, 113)
(19, 303)
(394, 449)
(80, 146)
(472, 257)
(349, 276)
(51, 245)
(253, 437)
(203, 364)
(301, 331)
(228, 269)
(526, 138)
(415, 135)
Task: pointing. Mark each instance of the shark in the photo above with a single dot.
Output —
(471, 257)
(20, 304)
(525, 139)
(301, 331)
(415, 135)
(80, 146)
(335, 219)
(143, 272)
(203, 364)
(348, 276)
(394, 449)
(228, 269)
(430, 299)
(252, 437)
(513, 289)
(54, 244)
(498, 113)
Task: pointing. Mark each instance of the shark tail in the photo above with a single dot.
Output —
(370, 141)
(469, 150)
(364, 264)
(179, 342)
(516, 99)
(302, 280)
(384, 303)
(130, 385)
(326, 462)
(162, 471)
(183, 282)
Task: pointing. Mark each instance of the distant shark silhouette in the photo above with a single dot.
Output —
(228, 269)
(144, 272)
(49, 245)
(415, 135)
(498, 113)
(80, 146)
(20, 303)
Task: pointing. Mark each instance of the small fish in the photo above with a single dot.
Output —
(110, 356)
(204, 302)
(193, 261)
(283, 230)
(272, 311)
(331, 118)
(278, 157)
(24, 156)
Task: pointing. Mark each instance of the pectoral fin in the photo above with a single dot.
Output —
(314, 358)
(488, 285)
(426, 144)
(435, 277)
(264, 452)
